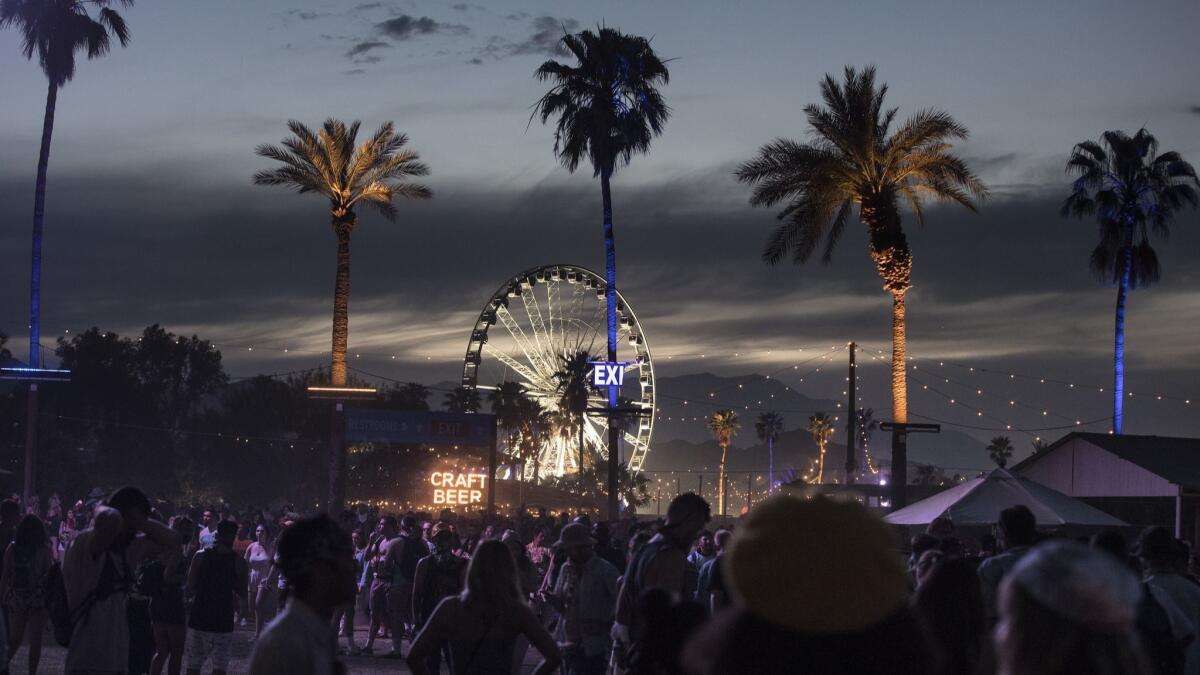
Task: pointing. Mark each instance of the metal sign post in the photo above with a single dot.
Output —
(613, 464)
(900, 432)
(32, 376)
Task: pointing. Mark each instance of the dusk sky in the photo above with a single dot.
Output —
(152, 217)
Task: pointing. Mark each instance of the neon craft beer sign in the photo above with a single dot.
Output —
(451, 489)
(608, 374)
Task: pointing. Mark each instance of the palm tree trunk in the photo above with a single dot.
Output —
(341, 302)
(610, 296)
(39, 216)
(581, 423)
(721, 479)
(820, 463)
(1119, 343)
(899, 367)
(770, 465)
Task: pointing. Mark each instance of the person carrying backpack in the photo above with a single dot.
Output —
(403, 553)
(439, 575)
(98, 573)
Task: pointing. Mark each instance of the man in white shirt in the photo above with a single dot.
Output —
(317, 558)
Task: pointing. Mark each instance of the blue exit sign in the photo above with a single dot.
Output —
(608, 373)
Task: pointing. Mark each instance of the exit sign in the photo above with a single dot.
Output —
(608, 374)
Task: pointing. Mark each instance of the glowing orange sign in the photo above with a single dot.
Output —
(451, 488)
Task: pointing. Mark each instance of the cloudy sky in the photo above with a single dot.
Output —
(152, 216)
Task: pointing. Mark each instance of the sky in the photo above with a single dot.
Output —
(152, 217)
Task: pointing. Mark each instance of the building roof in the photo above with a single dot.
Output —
(1174, 459)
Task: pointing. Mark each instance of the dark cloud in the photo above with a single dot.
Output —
(544, 38)
(362, 7)
(1195, 109)
(464, 7)
(354, 71)
(517, 16)
(357, 51)
(475, 61)
(406, 27)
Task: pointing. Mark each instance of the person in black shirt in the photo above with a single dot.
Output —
(215, 577)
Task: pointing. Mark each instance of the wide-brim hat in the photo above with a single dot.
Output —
(575, 534)
(816, 566)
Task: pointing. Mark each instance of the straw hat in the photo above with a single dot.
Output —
(815, 566)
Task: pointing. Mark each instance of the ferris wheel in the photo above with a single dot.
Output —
(525, 330)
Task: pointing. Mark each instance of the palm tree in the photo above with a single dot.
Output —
(724, 426)
(504, 400)
(462, 400)
(866, 425)
(1131, 190)
(768, 427)
(821, 427)
(409, 396)
(608, 109)
(535, 425)
(1000, 450)
(930, 475)
(853, 160)
(572, 382)
(56, 30)
(327, 163)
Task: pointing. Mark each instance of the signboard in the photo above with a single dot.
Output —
(457, 489)
(608, 373)
(411, 426)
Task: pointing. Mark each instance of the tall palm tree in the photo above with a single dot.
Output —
(56, 30)
(608, 109)
(1132, 191)
(866, 426)
(504, 400)
(724, 426)
(1000, 450)
(326, 162)
(768, 427)
(572, 381)
(821, 427)
(462, 400)
(535, 426)
(855, 159)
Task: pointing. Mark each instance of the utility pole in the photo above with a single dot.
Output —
(852, 419)
(900, 432)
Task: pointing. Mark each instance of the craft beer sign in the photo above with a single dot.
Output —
(457, 489)
(608, 374)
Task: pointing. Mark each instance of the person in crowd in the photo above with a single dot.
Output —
(317, 558)
(528, 581)
(605, 548)
(949, 600)
(815, 582)
(483, 622)
(662, 563)
(168, 614)
(1066, 609)
(1164, 631)
(539, 552)
(378, 578)
(208, 528)
(1164, 560)
(27, 562)
(636, 542)
(98, 574)
(343, 618)
(10, 517)
(402, 555)
(260, 593)
(710, 586)
(585, 597)
(245, 610)
(704, 550)
(928, 561)
(216, 577)
(439, 575)
(1015, 533)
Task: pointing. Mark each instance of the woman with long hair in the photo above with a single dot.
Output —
(260, 556)
(483, 622)
(1068, 610)
(27, 562)
(950, 601)
(168, 617)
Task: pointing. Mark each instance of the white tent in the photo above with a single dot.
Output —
(979, 501)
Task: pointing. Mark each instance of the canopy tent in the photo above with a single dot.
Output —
(979, 501)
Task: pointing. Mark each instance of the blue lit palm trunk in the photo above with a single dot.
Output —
(39, 216)
(1119, 342)
(610, 296)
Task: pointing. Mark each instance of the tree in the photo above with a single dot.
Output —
(572, 381)
(503, 400)
(929, 475)
(328, 163)
(56, 30)
(853, 160)
(608, 109)
(408, 396)
(534, 428)
(1038, 445)
(462, 400)
(1132, 191)
(1000, 450)
(724, 426)
(821, 427)
(768, 427)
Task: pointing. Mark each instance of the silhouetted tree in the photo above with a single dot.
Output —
(462, 399)
(56, 30)
(724, 425)
(768, 427)
(821, 427)
(572, 381)
(1132, 191)
(1000, 450)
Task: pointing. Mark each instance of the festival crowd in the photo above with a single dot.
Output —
(134, 585)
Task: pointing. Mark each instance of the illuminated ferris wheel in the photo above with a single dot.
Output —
(525, 330)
